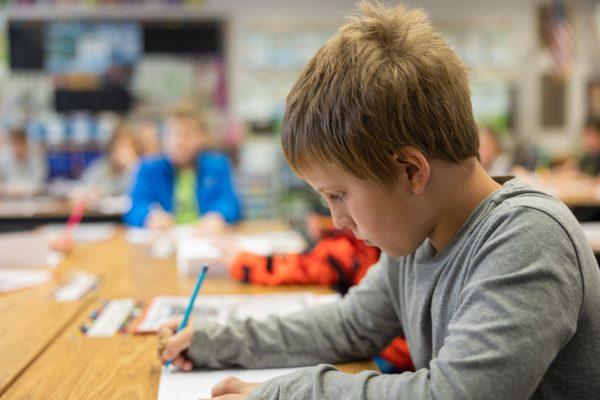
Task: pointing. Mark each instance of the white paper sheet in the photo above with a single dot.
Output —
(27, 249)
(177, 385)
(21, 278)
(83, 233)
(192, 251)
(77, 287)
(223, 307)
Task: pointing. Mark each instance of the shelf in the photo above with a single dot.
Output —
(44, 12)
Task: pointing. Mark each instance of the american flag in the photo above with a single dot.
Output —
(559, 38)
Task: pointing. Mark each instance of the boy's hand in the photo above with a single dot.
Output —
(211, 223)
(172, 346)
(159, 219)
(232, 388)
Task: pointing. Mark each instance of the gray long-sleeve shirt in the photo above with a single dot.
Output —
(509, 309)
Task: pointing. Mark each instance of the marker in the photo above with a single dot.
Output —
(190, 306)
(75, 217)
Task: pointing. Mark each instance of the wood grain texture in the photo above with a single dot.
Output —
(30, 320)
(125, 366)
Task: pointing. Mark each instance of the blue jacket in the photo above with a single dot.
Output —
(155, 184)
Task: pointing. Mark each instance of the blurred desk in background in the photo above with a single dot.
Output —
(575, 190)
(27, 213)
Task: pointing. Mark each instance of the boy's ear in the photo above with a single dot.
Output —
(414, 168)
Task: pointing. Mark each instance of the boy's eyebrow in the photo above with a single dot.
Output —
(324, 189)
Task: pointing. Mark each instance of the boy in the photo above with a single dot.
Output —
(492, 284)
(186, 184)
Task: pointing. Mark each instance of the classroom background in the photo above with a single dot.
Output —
(88, 91)
(71, 72)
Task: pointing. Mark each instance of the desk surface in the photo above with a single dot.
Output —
(125, 366)
(30, 323)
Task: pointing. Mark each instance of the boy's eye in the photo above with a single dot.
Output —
(336, 196)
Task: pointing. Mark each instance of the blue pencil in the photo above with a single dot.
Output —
(190, 305)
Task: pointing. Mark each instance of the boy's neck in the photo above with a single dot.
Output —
(461, 188)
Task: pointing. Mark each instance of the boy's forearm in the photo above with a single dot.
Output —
(357, 327)
(304, 338)
(327, 382)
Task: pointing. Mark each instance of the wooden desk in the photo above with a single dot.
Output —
(125, 366)
(30, 321)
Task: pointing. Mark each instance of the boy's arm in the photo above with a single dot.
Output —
(518, 310)
(358, 326)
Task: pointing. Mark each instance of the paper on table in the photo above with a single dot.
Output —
(21, 278)
(164, 307)
(77, 287)
(150, 236)
(83, 233)
(192, 251)
(274, 242)
(140, 236)
(223, 307)
(177, 385)
(24, 249)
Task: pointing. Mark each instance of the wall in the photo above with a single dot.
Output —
(529, 61)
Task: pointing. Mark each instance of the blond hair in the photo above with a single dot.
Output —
(386, 80)
(124, 131)
(190, 112)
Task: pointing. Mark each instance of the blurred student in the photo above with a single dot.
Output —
(23, 168)
(185, 185)
(113, 173)
(494, 159)
(147, 132)
(589, 160)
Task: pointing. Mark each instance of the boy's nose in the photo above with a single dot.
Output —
(341, 221)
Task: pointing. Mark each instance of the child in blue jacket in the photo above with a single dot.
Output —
(186, 184)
